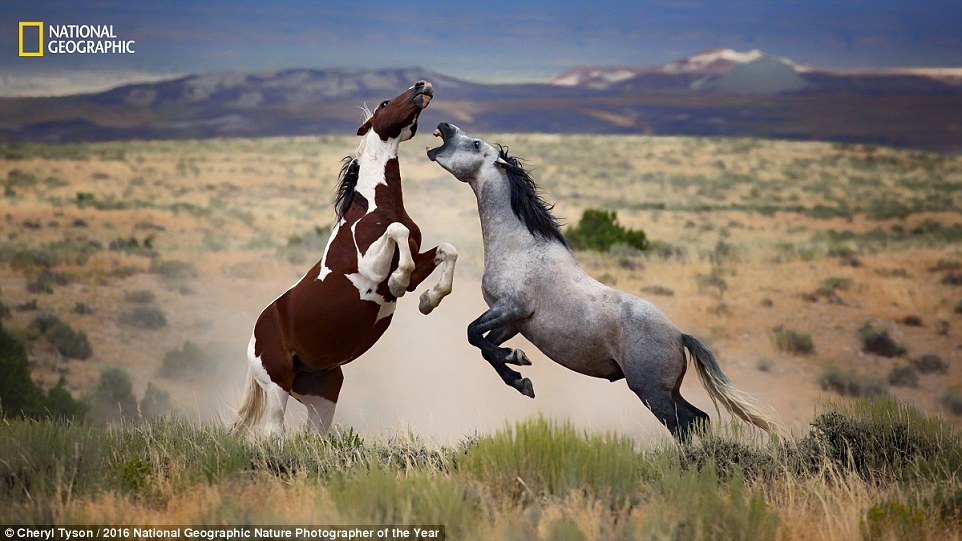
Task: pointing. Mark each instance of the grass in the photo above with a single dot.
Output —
(850, 383)
(792, 341)
(873, 464)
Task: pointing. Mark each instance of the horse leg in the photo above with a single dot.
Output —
(499, 336)
(656, 376)
(375, 264)
(276, 396)
(424, 264)
(318, 392)
(496, 318)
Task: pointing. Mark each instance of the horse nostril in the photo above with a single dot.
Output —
(420, 84)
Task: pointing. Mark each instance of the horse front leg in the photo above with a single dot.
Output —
(444, 255)
(494, 322)
(375, 264)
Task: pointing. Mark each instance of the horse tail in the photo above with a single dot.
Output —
(252, 408)
(721, 389)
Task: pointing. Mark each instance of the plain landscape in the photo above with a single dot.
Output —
(822, 275)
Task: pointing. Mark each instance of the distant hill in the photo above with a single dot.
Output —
(715, 92)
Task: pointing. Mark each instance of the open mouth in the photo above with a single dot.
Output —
(444, 131)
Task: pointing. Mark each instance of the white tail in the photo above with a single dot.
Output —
(721, 389)
(252, 408)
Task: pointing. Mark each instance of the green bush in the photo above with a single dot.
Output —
(930, 363)
(882, 438)
(144, 317)
(20, 396)
(156, 403)
(173, 269)
(141, 296)
(44, 282)
(951, 400)
(598, 230)
(848, 383)
(113, 399)
(539, 456)
(877, 341)
(792, 341)
(70, 343)
(904, 376)
(188, 362)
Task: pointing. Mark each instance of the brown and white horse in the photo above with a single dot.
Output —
(345, 302)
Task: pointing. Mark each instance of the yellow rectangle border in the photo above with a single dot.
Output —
(39, 26)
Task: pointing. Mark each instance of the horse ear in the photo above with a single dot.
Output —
(364, 127)
(500, 162)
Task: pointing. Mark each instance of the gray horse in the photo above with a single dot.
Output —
(534, 286)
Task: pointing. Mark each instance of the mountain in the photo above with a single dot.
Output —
(756, 73)
(715, 92)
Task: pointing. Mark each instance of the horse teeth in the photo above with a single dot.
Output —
(437, 133)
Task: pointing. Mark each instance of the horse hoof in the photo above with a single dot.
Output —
(426, 306)
(517, 357)
(526, 388)
(397, 289)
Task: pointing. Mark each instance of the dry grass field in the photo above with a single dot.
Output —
(777, 254)
(747, 235)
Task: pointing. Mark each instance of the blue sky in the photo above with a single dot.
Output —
(488, 40)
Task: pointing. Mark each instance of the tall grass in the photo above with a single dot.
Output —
(869, 468)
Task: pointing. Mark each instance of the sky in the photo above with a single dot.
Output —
(481, 40)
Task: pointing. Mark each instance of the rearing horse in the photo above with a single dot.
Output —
(345, 302)
(534, 286)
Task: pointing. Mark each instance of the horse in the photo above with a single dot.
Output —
(346, 301)
(533, 285)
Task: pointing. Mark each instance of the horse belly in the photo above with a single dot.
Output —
(333, 328)
(574, 345)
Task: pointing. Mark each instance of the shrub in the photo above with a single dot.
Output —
(173, 269)
(141, 296)
(883, 438)
(951, 400)
(156, 403)
(958, 306)
(553, 459)
(878, 341)
(187, 362)
(598, 230)
(45, 281)
(904, 376)
(837, 283)
(299, 247)
(792, 341)
(113, 399)
(848, 383)
(70, 343)
(144, 317)
(929, 363)
(20, 396)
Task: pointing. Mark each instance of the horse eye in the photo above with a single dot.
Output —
(477, 145)
(384, 103)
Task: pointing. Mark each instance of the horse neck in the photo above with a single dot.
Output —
(373, 157)
(500, 227)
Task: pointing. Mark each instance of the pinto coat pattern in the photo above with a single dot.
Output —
(346, 301)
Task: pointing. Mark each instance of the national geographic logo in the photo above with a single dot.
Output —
(67, 39)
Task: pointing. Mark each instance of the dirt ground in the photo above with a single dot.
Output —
(748, 235)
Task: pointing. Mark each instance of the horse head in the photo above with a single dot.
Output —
(464, 156)
(398, 118)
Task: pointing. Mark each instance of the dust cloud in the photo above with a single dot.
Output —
(422, 376)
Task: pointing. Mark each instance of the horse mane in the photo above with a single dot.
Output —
(346, 184)
(527, 202)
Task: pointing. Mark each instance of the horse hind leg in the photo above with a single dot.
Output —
(658, 386)
(496, 319)
(318, 392)
(276, 396)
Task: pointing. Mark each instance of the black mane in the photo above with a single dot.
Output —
(526, 201)
(347, 182)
